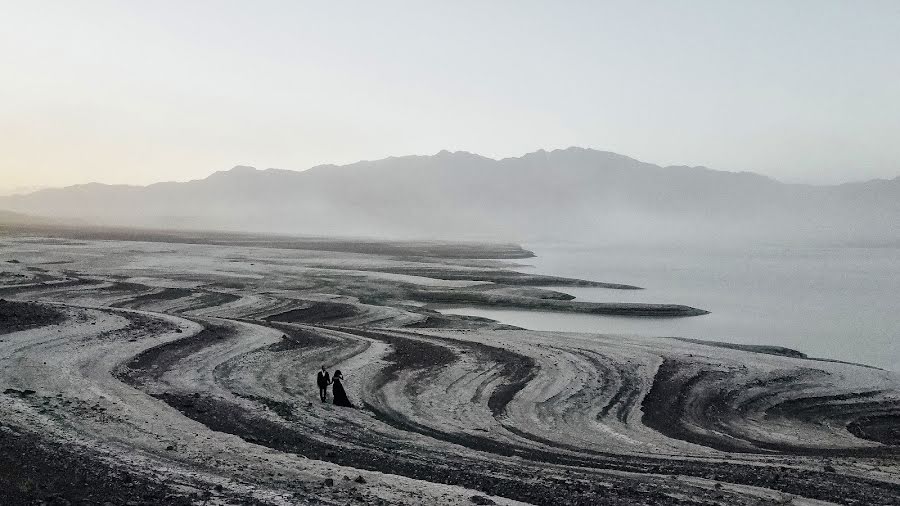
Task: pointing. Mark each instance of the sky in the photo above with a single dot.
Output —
(138, 92)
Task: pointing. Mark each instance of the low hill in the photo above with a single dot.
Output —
(566, 194)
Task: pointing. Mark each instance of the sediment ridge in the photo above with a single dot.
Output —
(183, 373)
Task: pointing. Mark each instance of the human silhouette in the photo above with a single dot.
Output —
(323, 380)
(340, 396)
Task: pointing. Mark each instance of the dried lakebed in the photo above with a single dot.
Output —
(167, 372)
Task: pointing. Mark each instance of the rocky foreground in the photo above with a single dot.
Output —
(171, 373)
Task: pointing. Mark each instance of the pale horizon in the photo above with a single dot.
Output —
(135, 93)
(23, 190)
(448, 253)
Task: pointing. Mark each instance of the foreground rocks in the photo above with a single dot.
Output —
(22, 315)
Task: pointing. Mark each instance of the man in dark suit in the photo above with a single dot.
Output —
(323, 380)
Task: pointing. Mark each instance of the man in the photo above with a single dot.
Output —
(323, 380)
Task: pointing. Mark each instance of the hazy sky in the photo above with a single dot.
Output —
(143, 91)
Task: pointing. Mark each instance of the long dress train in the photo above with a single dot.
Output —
(340, 396)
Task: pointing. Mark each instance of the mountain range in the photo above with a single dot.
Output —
(572, 194)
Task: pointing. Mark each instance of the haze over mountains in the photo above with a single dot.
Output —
(572, 195)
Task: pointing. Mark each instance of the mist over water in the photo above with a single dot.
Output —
(836, 303)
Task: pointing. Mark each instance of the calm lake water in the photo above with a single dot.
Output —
(840, 303)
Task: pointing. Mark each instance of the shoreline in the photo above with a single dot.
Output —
(200, 362)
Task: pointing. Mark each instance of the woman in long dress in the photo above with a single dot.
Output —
(337, 390)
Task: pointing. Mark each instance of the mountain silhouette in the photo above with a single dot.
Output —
(570, 194)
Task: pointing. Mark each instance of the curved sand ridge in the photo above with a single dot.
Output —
(205, 392)
(79, 404)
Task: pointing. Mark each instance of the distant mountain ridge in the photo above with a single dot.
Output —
(570, 194)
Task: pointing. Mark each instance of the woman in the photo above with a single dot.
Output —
(337, 390)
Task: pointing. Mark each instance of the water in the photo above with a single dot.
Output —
(838, 303)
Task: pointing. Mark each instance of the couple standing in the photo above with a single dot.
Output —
(340, 396)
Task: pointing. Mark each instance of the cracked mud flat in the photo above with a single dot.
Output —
(171, 373)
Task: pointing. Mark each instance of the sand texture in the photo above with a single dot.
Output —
(184, 373)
